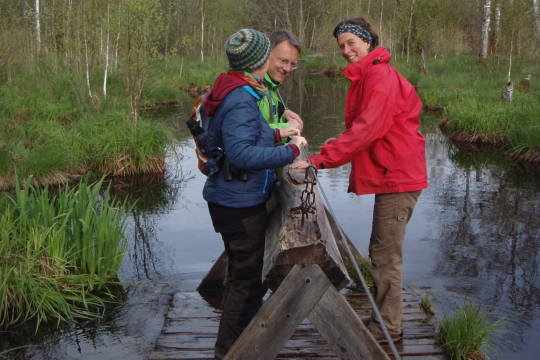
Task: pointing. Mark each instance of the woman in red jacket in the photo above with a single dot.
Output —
(388, 159)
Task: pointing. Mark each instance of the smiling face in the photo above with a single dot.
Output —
(352, 48)
(283, 53)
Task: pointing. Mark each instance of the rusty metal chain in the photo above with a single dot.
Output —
(308, 195)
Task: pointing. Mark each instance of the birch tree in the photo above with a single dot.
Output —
(410, 26)
(38, 27)
(536, 14)
(202, 30)
(86, 51)
(485, 30)
(106, 55)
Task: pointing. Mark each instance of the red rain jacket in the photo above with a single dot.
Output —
(381, 137)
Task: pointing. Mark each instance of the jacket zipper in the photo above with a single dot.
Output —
(266, 180)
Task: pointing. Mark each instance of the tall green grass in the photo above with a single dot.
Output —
(467, 334)
(56, 251)
(469, 95)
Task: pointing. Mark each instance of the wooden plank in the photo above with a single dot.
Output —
(181, 355)
(414, 350)
(281, 314)
(190, 305)
(337, 322)
(340, 242)
(215, 277)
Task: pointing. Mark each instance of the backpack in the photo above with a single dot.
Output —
(198, 124)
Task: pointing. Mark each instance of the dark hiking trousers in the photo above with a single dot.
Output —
(391, 214)
(243, 233)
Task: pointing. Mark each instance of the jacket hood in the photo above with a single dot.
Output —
(223, 85)
(359, 68)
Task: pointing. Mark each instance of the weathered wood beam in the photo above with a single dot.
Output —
(281, 314)
(338, 324)
(288, 243)
(215, 277)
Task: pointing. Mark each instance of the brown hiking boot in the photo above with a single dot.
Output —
(366, 320)
(381, 339)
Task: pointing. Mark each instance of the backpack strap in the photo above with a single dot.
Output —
(270, 105)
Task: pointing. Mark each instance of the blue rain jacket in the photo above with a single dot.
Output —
(239, 128)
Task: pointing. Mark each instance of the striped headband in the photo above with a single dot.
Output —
(356, 30)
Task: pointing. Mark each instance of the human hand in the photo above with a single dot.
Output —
(294, 117)
(299, 141)
(290, 131)
(328, 141)
(302, 164)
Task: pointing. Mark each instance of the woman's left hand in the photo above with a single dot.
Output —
(302, 164)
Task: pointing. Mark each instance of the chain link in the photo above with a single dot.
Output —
(308, 195)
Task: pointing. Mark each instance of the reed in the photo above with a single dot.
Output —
(58, 251)
(467, 334)
(365, 269)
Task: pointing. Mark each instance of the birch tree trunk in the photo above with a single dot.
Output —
(202, 30)
(380, 23)
(368, 6)
(485, 30)
(38, 28)
(301, 24)
(359, 6)
(495, 44)
(86, 52)
(409, 37)
(106, 56)
(536, 14)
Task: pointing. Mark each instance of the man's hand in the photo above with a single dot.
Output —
(302, 164)
(290, 131)
(294, 119)
(299, 141)
(328, 141)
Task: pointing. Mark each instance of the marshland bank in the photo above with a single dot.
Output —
(474, 233)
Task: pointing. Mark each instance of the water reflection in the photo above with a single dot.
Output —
(151, 197)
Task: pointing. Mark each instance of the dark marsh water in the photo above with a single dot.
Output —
(474, 234)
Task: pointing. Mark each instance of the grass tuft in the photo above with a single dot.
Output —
(467, 334)
(365, 269)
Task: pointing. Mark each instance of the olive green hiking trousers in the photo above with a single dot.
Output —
(391, 214)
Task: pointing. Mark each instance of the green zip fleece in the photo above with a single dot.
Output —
(280, 123)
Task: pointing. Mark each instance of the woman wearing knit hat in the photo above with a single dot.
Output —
(242, 142)
(388, 159)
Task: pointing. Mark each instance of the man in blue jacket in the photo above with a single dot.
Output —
(241, 141)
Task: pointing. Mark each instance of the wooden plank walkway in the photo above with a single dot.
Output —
(191, 326)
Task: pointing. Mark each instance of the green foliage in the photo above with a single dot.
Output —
(427, 304)
(365, 269)
(468, 93)
(56, 249)
(468, 333)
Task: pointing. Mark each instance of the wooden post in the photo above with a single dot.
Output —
(306, 291)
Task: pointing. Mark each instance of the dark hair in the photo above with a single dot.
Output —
(284, 35)
(362, 22)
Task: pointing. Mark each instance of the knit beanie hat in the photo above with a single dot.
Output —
(247, 50)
